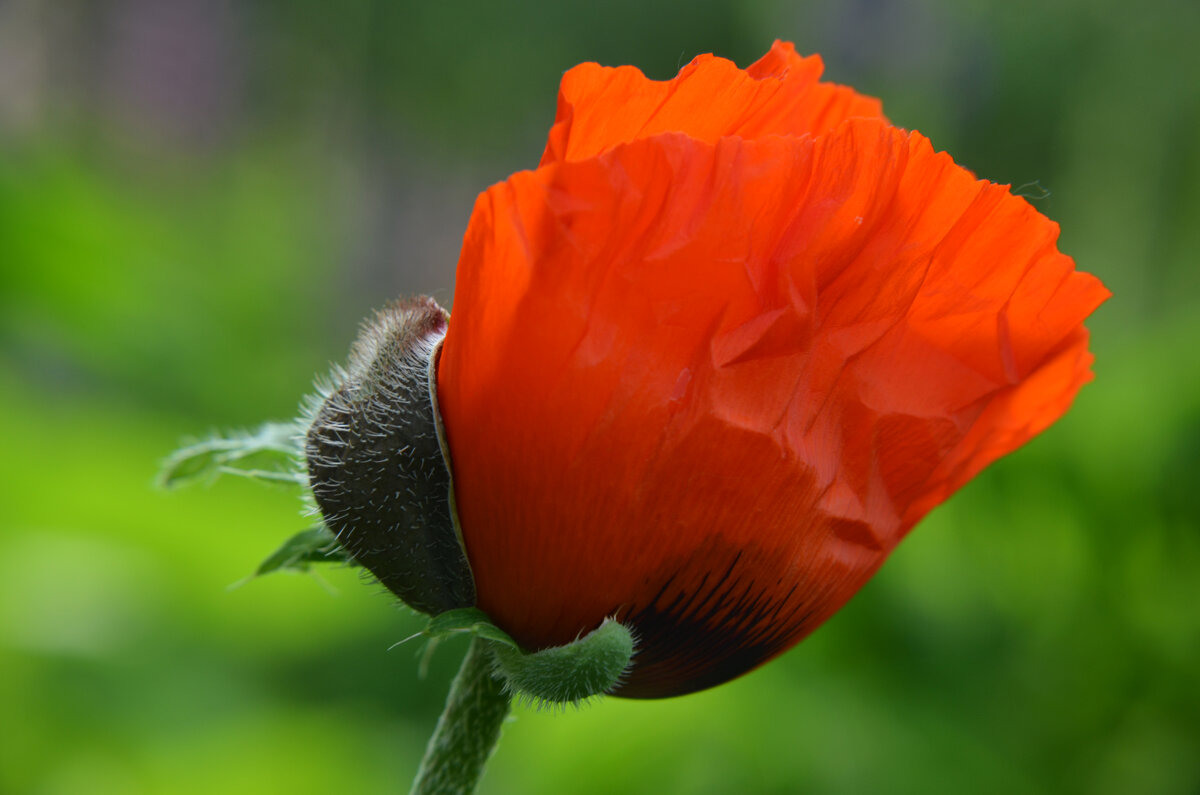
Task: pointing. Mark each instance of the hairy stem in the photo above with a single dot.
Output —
(468, 729)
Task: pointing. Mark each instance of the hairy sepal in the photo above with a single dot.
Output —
(592, 665)
(376, 464)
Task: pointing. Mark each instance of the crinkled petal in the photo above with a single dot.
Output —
(708, 386)
(781, 94)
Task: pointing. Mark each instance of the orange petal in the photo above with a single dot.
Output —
(709, 386)
(600, 107)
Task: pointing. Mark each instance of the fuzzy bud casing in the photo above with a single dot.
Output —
(376, 465)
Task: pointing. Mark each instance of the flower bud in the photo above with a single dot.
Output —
(375, 461)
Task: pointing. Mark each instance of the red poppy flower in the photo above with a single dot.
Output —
(714, 358)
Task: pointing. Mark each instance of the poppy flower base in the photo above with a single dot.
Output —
(492, 673)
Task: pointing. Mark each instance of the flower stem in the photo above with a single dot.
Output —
(468, 729)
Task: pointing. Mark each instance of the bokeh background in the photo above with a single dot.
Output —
(199, 200)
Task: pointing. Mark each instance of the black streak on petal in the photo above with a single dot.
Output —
(695, 638)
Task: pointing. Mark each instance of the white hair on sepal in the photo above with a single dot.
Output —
(574, 674)
(375, 464)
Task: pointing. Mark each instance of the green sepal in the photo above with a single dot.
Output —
(471, 620)
(314, 545)
(271, 453)
(592, 665)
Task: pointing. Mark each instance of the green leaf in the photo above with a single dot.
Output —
(314, 545)
(272, 453)
(467, 619)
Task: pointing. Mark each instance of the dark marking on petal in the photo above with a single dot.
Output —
(692, 638)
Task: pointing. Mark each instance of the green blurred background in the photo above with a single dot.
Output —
(199, 200)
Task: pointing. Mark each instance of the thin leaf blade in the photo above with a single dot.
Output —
(314, 545)
(271, 453)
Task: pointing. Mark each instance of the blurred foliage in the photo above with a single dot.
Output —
(198, 201)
